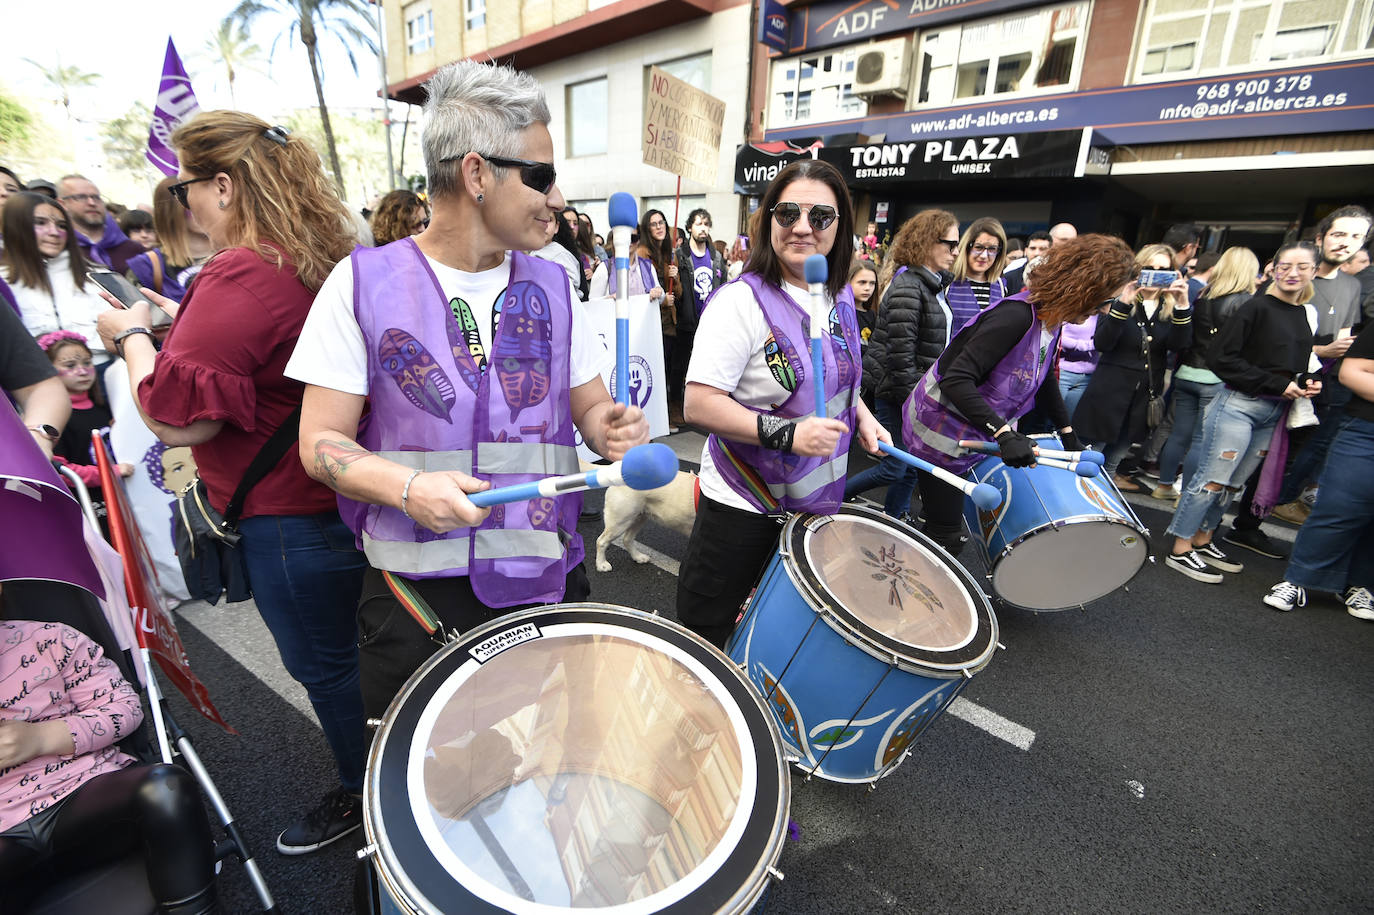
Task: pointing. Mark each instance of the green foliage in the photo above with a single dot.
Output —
(16, 123)
(125, 141)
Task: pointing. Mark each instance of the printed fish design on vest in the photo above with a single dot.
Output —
(523, 351)
(465, 343)
(781, 359)
(844, 367)
(416, 373)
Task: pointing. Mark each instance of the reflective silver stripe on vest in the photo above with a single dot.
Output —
(430, 461)
(936, 440)
(819, 478)
(415, 558)
(537, 458)
(839, 403)
(514, 544)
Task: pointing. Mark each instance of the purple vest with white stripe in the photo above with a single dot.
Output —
(963, 304)
(932, 429)
(794, 482)
(434, 409)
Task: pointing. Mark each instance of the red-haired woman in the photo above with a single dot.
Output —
(993, 371)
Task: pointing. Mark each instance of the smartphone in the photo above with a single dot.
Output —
(125, 292)
(1158, 279)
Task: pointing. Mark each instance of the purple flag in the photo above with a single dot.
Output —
(176, 102)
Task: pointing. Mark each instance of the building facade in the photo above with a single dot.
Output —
(1250, 117)
(593, 58)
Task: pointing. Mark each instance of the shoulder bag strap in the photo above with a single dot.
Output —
(273, 450)
(156, 260)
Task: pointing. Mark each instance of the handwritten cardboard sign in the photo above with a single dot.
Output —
(682, 128)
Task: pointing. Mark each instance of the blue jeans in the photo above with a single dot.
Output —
(1071, 388)
(1307, 463)
(1190, 403)
(1235, 437)
(1335, 545)
(1113, 454)
(898, 476)
(306, 576)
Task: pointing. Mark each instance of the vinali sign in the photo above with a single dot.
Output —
(1039, 155)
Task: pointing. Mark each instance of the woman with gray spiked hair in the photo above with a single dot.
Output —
(459, 340)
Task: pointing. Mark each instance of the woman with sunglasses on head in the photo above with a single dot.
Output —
(1263, 354)
(752, 389)
(978, 267)
(46, 272)
(911, 331)
(995, 370)
(278, 225)
(480, 368)
(182, 248)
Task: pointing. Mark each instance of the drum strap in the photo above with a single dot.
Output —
(409, 597)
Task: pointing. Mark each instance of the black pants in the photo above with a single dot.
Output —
(943, 508)
(727, 553)
(155, 810)
(392, 645)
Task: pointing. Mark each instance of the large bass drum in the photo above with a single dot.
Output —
(576, 757)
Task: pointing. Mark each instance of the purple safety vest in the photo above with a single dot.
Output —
(434, 409)
(773, 481)
(932, 429)
(963, 304)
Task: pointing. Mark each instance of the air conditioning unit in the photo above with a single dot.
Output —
(883, 68)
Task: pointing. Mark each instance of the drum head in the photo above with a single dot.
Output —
(1077, 561)
(895, 588)
(579, 757)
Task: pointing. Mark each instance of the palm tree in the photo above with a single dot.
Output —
(231, 46)
(64, 80)
(310, 20)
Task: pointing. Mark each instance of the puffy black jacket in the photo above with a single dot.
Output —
(910, 334)
(1208, 316)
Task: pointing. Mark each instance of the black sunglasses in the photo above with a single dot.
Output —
(819, 215)
(538, 176)
(951, 244)
(178, 190)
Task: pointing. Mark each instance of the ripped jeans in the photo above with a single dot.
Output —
(1235, 438)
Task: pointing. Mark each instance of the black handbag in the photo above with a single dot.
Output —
(1155, 406)
(205, 540)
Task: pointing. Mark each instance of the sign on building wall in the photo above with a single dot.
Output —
(773, 25)
(1316, 99)
(682, 128)
(756, 164)
(827, 24)
(1053, 154)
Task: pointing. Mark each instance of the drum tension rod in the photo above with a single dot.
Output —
(373, 723)
(775, 874)
(367, 851)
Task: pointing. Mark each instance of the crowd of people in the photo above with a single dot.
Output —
(395, 352)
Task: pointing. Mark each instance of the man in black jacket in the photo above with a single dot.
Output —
(701, 270)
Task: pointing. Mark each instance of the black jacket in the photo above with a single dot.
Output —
(689, 309)
(1208, 316)
(910, 334)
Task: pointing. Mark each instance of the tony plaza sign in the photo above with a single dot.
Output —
(1053, 154)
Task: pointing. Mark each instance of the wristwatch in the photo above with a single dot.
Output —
(119, 338)
(51, 433)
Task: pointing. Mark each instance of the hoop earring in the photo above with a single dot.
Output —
(480, 197)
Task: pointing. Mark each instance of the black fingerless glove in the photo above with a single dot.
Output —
(1070, 441)
(775, 433)
(1017, 449)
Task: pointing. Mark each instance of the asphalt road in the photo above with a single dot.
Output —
(1176, 747)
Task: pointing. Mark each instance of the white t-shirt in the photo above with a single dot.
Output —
(729, 356)
(331, 352)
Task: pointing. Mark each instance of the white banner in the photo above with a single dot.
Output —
(160, 473)
(648, 378)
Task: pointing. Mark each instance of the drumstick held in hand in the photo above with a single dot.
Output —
(984, 496)
(622, 214)
(1091, 457)
(646, 466)
(817, 269)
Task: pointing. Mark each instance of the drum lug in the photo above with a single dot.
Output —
(1001, 646)
(775, 874)
(966, 673)
(367, 851)
(374, 723)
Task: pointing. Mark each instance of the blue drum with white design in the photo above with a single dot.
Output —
(860, 634)
(1058, 540)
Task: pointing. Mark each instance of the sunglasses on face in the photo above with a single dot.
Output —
(178, 190)
(951, 243)
(537, 176)
(818, 214)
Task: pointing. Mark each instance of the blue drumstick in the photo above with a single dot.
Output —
(984, 496)
(1065, 460)
(817, 270)
(647, 466)
(622, 213)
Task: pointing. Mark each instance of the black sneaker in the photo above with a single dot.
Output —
(337, 815)
(1214, 557)
(1191, 564)
(1256, 541)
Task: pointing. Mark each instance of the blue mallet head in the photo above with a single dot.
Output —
(1086, 468)
(648, 466)
(816, 269)
(621, 210)
(1094, 457)
(986, 497)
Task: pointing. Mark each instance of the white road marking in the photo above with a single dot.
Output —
(662, 560)
(1137, 789)
(993, 723)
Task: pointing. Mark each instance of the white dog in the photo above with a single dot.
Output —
(627, 509)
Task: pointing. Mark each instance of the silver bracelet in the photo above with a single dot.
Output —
(405, 493)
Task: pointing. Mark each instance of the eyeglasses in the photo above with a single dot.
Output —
(984, 250)
(1281, 269)
(538, 176)
(178, 190)
(818, 214)
(45, 222)
(84, 198)
(951, 243)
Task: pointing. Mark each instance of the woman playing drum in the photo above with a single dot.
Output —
(993, 371)
(752, 390)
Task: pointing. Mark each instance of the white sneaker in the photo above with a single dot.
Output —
(1191, 564)
(1359, 603)
(1286, 595)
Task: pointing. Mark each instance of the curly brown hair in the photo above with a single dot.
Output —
(918, 235)
(393, 218)
(1077, 276)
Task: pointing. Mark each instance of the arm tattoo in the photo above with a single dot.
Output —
(333, 457)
